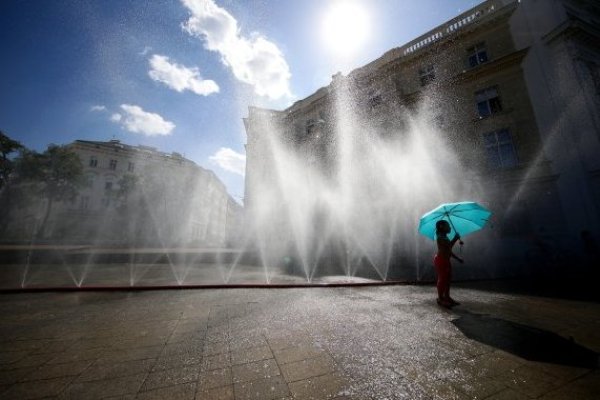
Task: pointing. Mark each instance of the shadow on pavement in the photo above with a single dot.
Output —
(524, 341)
(580, 288)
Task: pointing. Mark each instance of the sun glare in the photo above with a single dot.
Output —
(345, 27)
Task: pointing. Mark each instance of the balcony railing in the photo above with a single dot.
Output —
(452, 26)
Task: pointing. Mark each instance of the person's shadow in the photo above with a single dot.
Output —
(524, 341)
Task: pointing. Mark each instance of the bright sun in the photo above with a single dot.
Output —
(345, 27)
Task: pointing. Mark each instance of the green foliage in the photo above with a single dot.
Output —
(7, 147)
(58, 172)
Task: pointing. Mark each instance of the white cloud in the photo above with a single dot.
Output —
(147, 49)
(254, 60)
(179, 77)
(135, 119)
(230, 160)
(98, 108)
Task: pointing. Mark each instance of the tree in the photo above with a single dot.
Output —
(57, 174)
(7, 147)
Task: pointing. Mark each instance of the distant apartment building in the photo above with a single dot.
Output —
(515, 86)
(137, 195)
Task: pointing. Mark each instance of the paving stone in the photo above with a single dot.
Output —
(185, 391)
(191, 326)
(531, 382)
(194, 338)
(562, 373)
(10, 376)
(124, 397)
(32, 360)
(11, 357)
(494, 364)
(443, 390)
(263, 389)
(196, 314)
(305, 369)
(140, 353)
(126, 344)
(95, 343)
(58, 370)
(250, 354)
(220, 393)
(293, 354)
(480, 388)
(292, 339)
(213, 348)
(75, 356)
(320, 387)
(171, 377)
(103, 370)
(182, 348)
(386, 342)
(3, 388)
(22, 345)
(36, 389)
(508, 394)
(218, 361)
(242, 342)
(571, 392)
(255, 370)
(177, 362)
(215, 378)
(105, 388)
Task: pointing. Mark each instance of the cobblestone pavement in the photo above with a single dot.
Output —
(389, 342)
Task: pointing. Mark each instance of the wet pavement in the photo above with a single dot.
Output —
(389, 342)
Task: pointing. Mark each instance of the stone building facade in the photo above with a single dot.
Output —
(139, 196)
(515, 87)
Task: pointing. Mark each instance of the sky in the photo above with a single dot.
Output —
(179, 75)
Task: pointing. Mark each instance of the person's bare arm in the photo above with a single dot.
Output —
(454, 240)
(460, 260)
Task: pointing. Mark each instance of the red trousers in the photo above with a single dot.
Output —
(443, 268)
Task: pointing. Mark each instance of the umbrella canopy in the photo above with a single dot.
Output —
(465, 217)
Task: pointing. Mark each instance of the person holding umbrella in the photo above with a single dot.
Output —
(465, 217)
(441, 261)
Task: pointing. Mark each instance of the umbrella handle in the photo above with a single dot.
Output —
(460, 242)
(455, 231)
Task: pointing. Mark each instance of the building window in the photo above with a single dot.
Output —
(426, 75)
(310, 126)
(112, 165)
(488, 102)
(90, 179)
(84, 202)
(477, 54)
(93, 162)
(130, 167)
(500, 149)
(108, 186)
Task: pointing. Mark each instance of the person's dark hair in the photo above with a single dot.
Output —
(439, 224)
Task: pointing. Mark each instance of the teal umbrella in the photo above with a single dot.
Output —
(465, 217)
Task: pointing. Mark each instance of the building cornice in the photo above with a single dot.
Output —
(491, 67)
(489, 12)
(573, 28)
(473, 74)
